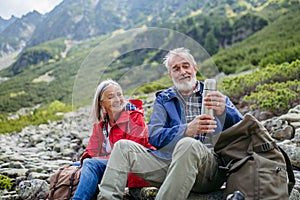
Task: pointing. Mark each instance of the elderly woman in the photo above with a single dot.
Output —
(115, 119)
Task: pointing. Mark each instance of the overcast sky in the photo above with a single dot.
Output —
(21, 7)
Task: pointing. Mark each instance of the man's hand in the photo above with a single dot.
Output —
(201, 124)
(215, 101)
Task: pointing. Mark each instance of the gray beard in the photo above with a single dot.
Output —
(185, 87)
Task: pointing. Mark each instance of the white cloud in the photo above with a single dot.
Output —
(21, 7)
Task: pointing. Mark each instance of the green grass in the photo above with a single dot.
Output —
(42, 115)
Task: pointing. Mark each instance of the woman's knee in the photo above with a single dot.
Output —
(88, 162)
(94, 165)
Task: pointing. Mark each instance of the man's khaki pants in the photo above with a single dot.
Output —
(193, 168)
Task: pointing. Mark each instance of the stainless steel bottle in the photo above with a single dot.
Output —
(209, 85)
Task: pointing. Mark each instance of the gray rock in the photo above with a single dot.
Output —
(33, 189)
(295, 195)
(290, 117)
(12, 172)
(38, 151)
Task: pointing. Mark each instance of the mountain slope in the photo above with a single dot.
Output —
(277, 43)
(26, 86)
(81, 19)
(5, 23)
(16, 34)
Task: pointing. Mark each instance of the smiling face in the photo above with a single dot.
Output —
(183, 74)
(112, 101)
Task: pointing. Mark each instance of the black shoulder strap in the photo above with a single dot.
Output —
(289, 169)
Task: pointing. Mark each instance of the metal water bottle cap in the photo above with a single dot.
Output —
(210, 84)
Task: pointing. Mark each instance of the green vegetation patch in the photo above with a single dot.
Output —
(277, 97)
(5, 183)
(276, 43)
(274, 88)
(42, 115)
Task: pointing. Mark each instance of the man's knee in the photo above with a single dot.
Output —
(190, 147)
(184, 148)
(186, 143)
(123, 144)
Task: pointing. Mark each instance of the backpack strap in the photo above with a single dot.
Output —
(264, 147)
(289, 169)
(72, 182)
(236, 165)
(56, 180)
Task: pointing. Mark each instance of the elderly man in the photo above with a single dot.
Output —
(184, 160)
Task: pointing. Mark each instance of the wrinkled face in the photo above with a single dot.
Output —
(183, 74)
(112, 100)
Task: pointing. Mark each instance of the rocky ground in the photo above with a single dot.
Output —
(37, 151)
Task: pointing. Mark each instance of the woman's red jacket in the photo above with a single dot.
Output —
(130, 125)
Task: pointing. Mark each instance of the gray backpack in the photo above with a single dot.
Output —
(256, 166)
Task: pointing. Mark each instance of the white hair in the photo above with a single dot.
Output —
(181, 52)
(97, 111)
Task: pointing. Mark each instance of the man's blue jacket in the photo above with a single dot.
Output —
(168, 123)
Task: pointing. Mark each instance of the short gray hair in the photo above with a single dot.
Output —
(97, 111)
(181, 52)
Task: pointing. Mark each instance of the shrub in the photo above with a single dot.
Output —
(5, 183)
(276, 98)
(274, 88)
(39, 116)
